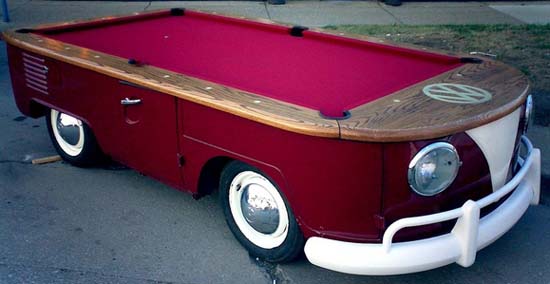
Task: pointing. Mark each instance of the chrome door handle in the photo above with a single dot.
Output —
(129, 102)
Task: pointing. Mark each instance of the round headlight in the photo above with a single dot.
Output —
(528, 112)
(433, 168)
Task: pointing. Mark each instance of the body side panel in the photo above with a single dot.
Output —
(333, 185)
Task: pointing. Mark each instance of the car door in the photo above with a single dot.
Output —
(144, 131)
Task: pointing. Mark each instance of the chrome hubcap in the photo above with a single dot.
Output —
(259, 209)
(68, 132)
(69, 128)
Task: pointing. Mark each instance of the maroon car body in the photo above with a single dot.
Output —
(338, 189)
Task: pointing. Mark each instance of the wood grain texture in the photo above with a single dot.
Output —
(410, 115)
(402, 116)
(254, 107)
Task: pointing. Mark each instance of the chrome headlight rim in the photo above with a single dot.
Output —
(420, 155)
(528, 114)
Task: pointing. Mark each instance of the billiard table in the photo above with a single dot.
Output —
(372, 157)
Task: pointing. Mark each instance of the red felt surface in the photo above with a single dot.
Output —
(319, 72)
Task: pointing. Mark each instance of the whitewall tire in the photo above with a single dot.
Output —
(73, 139)
(258, 214)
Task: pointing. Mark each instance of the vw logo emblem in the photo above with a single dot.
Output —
(457, 93)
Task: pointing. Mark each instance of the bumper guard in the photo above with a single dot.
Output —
(469, 235)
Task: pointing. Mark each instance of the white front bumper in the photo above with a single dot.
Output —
(469, 235)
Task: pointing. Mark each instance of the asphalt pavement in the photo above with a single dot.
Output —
(62, 224)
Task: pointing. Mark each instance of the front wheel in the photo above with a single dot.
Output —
(73, 139)
(258, 214)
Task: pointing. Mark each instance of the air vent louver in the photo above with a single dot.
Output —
(36, 73)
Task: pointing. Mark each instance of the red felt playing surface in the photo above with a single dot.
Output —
(317, 71)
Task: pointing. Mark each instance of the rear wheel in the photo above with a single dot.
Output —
(258, 214)
(73, 139)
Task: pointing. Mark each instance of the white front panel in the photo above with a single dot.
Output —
(496, 140)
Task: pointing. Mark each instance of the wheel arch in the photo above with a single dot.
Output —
(287, 240)
(42, 108)
(210, 174)
(37, 109)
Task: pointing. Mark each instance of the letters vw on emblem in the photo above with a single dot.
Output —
(457, 93)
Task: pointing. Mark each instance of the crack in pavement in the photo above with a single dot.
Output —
(148, 5)
(390, 13)
(267, 10)
(272, 271)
